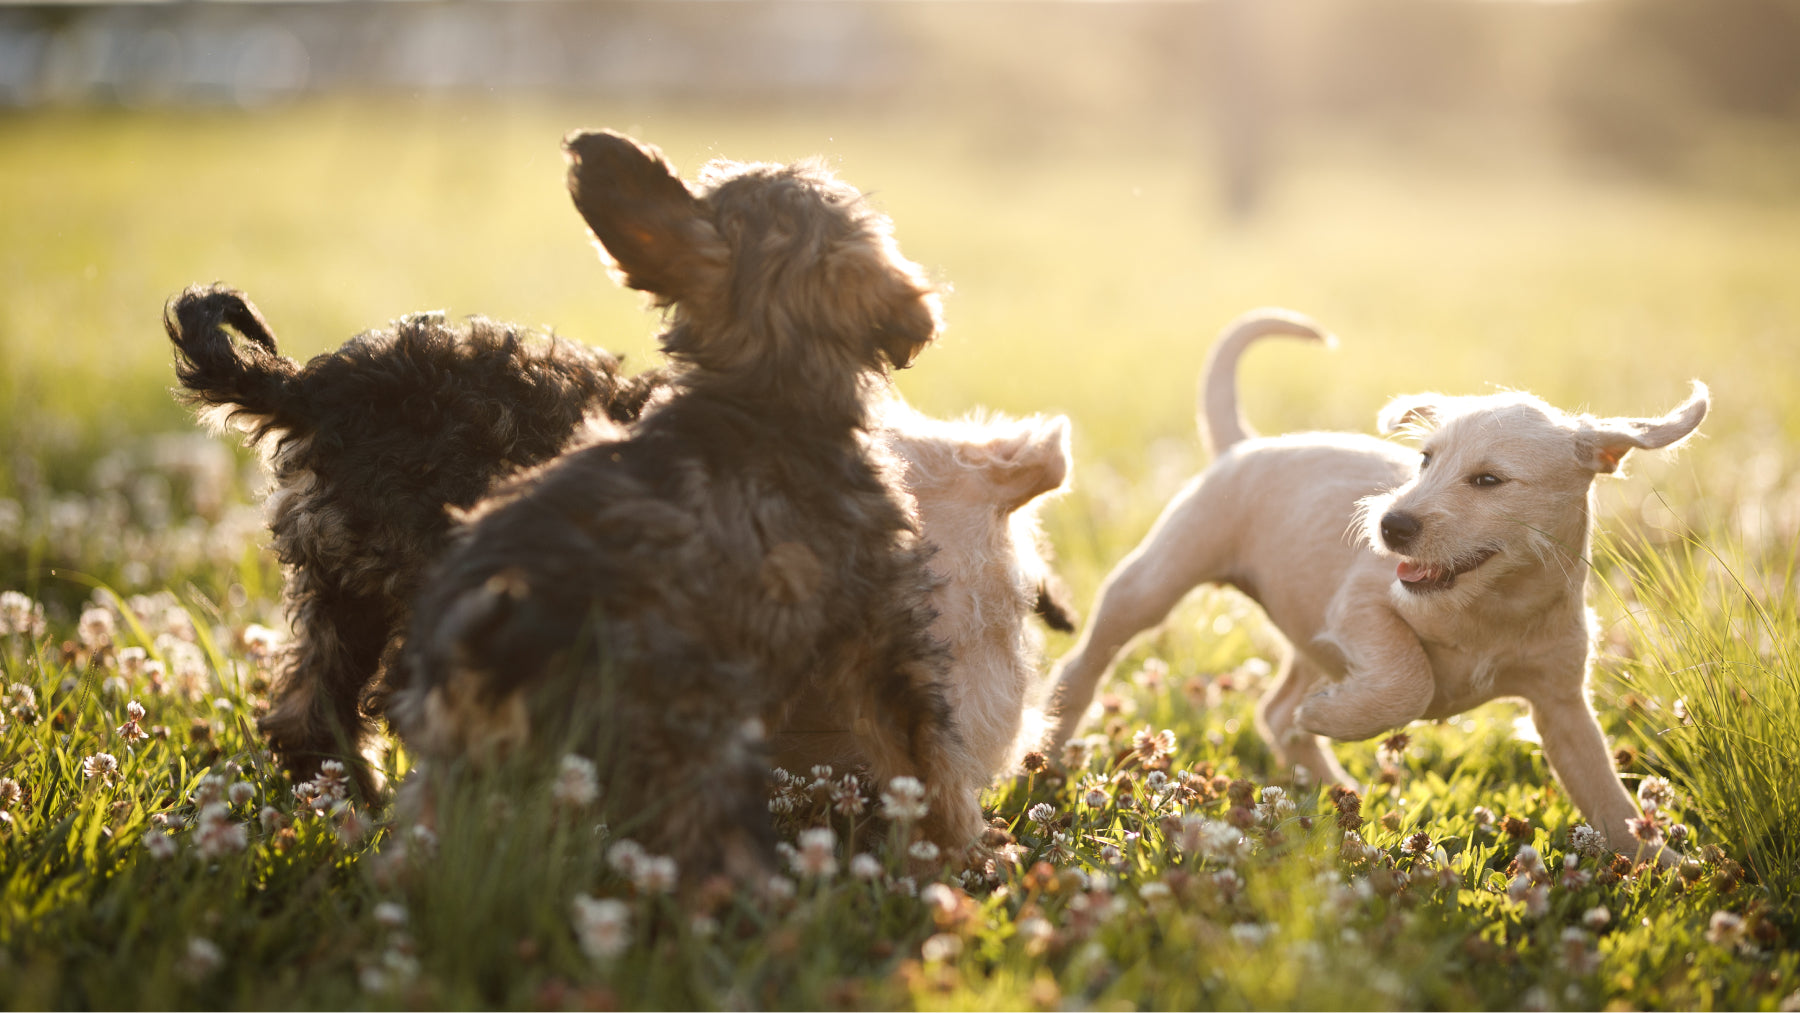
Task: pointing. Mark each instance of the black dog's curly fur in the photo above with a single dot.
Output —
(371, 447)
(746, 546)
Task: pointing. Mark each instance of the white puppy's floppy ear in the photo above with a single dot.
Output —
(1410, 413)
(1603, 443)
(1026, 460)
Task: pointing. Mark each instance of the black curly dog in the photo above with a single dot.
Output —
(371, 448)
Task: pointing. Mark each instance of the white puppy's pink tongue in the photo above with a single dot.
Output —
(1413, 573)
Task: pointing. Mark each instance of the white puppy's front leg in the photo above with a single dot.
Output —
(1387, 682)
(1578, 754)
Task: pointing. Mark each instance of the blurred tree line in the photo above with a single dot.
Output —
(1639, 82)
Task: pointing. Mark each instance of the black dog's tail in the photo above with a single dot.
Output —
(248, 381)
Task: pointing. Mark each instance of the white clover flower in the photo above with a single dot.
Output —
(390, 915)
(780, 889)
(625, 856)
(817, 854)
(602, 926)
(95, 628)
(1096, 798)
(215, 834)
(821, 776)
(1355, 849)
(1077, 752)
(1250, 933)
(1152, 746)
(1726, 929)
(161, 846)
(1655, 793)
(865, 866)
(1530, 861)
(1647, 829)
(1574, 877)
(11, 792)
(1219, 841)
(1042, 814)
(202, 958)
(1036, 933)
(156, 676)
(1153, 675)
(1153, 891)
(350, 825)
(1275, 806)
(131, 662)
(940, 947)
(655, 874)
(19, 615)
(1577, 954)
(577, 785)
(847, 797)
(240, 792)
(260, 642)
(104, 766)
(939, 896)
(1527, 891)
(904, 800)
(1596, 918)
(924, 851)
(332, 782)
(1587, 841)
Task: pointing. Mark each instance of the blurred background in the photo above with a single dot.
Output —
(1592, 200)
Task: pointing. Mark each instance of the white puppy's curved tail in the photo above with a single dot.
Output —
(1221, 423)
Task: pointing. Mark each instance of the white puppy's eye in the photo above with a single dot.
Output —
(1485, 480)
(1424, 460)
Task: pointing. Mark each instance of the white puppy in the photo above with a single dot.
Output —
(1410, 585)
(976, 485)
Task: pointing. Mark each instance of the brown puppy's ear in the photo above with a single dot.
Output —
(1411, 413)
(1055, 606)
(1603, 443)
(643, 216)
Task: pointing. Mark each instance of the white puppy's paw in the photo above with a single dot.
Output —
(1338, 715)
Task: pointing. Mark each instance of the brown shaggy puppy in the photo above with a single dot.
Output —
(664, 597)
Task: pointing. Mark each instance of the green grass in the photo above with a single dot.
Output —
(1088, 277)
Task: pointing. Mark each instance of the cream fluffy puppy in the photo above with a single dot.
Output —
(1409, 584)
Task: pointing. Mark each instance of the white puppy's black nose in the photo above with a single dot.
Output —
(1398, 529)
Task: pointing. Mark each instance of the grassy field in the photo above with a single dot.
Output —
(1088, 275)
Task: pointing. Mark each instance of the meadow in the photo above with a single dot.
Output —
(153, 857)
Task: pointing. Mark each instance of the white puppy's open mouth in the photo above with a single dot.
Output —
(1423, 578)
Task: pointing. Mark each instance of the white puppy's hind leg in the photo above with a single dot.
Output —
(1292, 745)
(1136, 596)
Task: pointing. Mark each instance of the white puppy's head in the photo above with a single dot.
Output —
(1502, 486)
